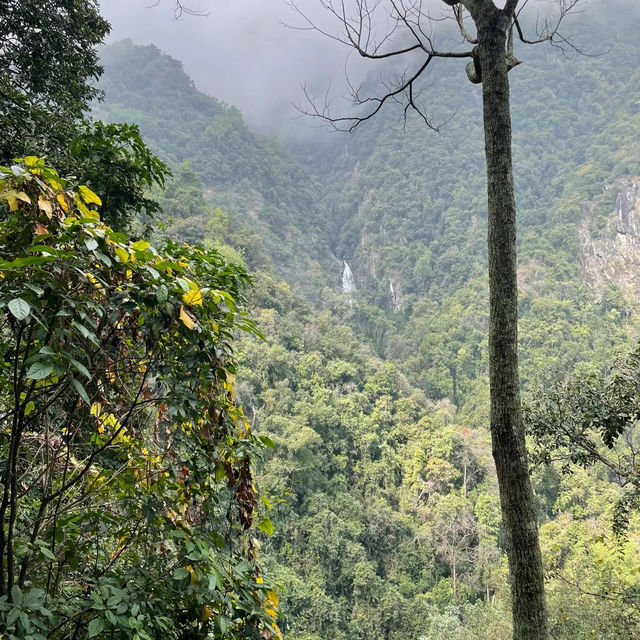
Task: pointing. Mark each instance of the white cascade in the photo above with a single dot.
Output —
(348, 282)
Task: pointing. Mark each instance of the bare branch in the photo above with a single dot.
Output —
(405, 34)
(180, 10)
(359, 32)
(350, 123)
(459, 16)
(547, 31)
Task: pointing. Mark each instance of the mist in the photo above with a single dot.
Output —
(241, 52)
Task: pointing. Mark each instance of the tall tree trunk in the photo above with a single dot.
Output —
(507, 431)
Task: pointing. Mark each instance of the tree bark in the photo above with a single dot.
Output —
(507, 431)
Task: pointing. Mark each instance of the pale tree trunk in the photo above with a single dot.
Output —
(455, 579)
(507, 431)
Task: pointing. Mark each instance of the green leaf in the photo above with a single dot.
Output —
(91, 243)
(105, 259)
(268, 442)
(267, 526)
(183, 284)
(82, 392)
(19, 308)
(16, 594)
(141, 245)
(37, 290)
(96, 626)
(89, 335)
(26, 624)
(14, 614)
(180, 574)
(224, 621)
(18, 263)
(47, 553)
(162, 293)
(40, 370)
(81, 368)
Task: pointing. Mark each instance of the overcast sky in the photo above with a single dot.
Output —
(242, 54)
(239, 52)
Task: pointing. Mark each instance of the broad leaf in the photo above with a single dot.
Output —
(40, 370)
(89, 196)
(96, 627)
(19, 308)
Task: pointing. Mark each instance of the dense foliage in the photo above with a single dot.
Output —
(127, 492)
(48, 64)
(251, 178)
(129, 509)
(48, 71)
(382, 492)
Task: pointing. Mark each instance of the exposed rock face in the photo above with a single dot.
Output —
(626, 204)
(612, 255)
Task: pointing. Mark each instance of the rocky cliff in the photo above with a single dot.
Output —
(611, 245)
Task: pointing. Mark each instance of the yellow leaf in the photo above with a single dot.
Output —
(272, 597)
(62, 201)
(89, 196)
(123, 254)
(259, 580)
(96, 409)
(45, 205)
(24, 197)
(55, 184)
(82, 207)
(188, 320)
(193, 297)
(10, 197)
(31, 161)
(206, 613)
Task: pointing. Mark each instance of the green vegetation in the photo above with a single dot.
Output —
(48, 61)
(127, 501)
(252, 179)
(137, 394)
(381, 485)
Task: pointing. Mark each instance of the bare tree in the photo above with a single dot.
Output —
(407, 30)
(180, 9)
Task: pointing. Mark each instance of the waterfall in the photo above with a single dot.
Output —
(348, 283)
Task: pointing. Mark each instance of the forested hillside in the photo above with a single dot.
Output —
(250, 177)
(381, 487)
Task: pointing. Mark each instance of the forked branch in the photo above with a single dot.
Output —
(180, 10)
(377, 30)
(405, 30)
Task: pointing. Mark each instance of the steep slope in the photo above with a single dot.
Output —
(249, 177)
(409, 210)
(381, 487)
(410, 205)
